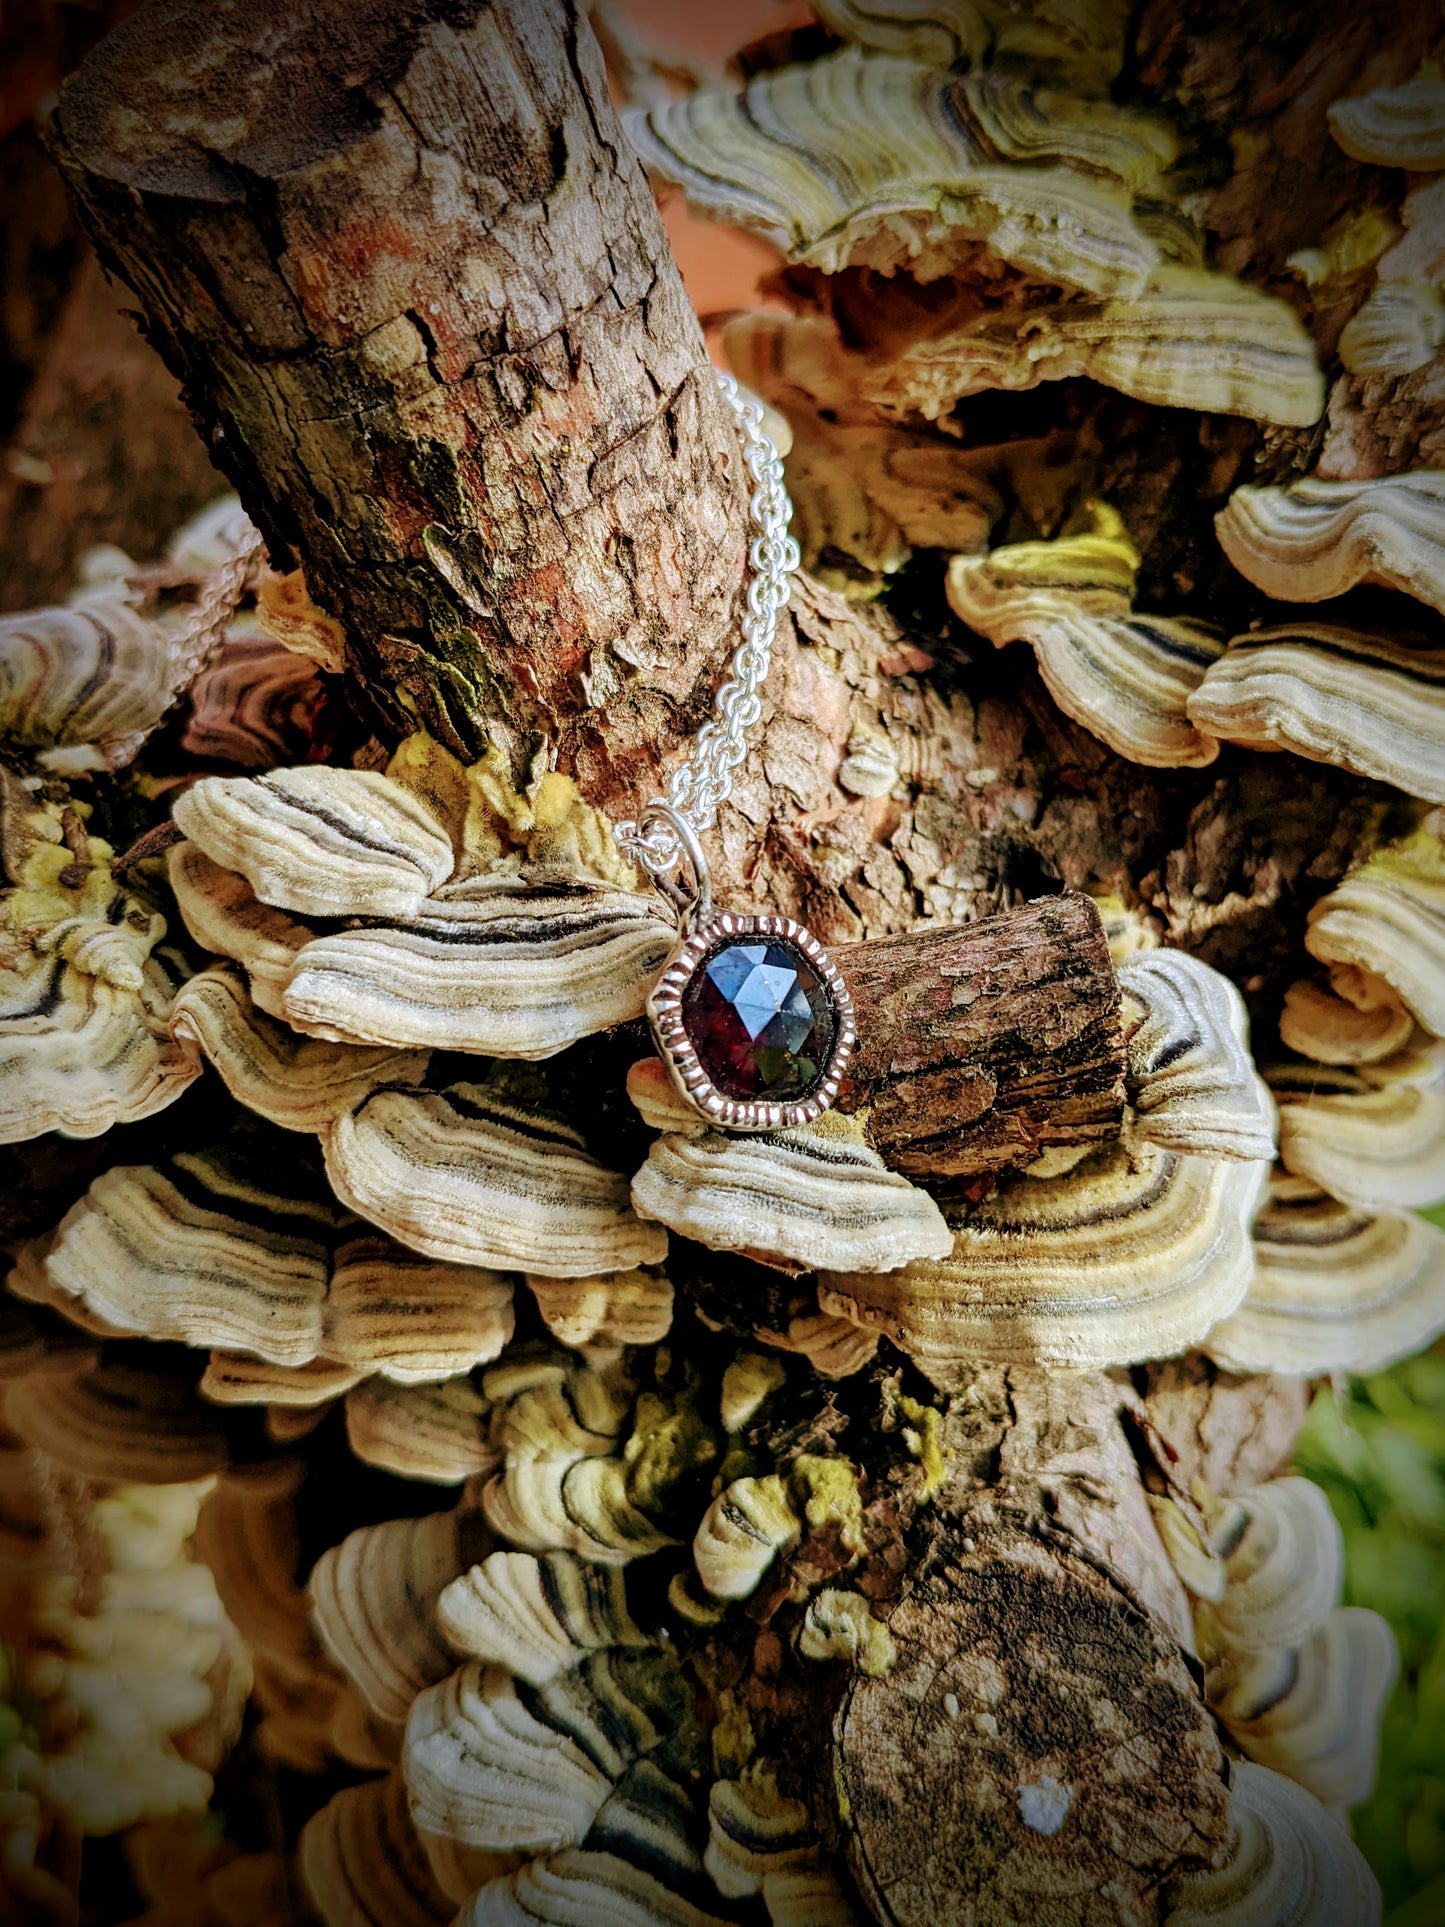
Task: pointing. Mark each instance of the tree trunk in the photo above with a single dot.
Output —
(418, 296)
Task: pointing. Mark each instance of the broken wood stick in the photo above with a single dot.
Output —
(983, 1045)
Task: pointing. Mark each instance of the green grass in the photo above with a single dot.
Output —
(1378, 1449)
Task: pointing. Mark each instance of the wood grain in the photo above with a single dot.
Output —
(982, 1045)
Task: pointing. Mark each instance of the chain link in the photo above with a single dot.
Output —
(702, 783)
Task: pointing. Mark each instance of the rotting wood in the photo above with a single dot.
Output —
(1040, 1670)
(982, 1045)
(1230, 1431)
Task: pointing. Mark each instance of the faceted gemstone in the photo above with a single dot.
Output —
(760, 1019)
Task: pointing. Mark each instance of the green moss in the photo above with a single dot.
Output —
(437, 471)
(921, 1436)
(733, 1740)
(828, 1491)
(669, 1440)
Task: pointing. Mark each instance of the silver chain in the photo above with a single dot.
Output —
(665, 836)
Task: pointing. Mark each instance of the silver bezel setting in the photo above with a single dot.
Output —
(664, 1010)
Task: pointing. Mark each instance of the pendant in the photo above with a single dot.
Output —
(751, 1016)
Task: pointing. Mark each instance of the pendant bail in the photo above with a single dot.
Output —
(691, 894)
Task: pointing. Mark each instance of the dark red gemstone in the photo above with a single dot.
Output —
(761, 1020)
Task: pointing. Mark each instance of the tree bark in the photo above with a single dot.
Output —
(982, 1044)
(418, 294)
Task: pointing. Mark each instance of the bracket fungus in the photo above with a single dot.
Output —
(121, 1418)
(86, 979)
(639, 1864)
(438, 1433)
(1189, 339)
(1125, 677)
(510, 1768)
(224, 916)
(1335, 1288)
(373, 1602)
(480, 1174)
(362, 1864)
(1400, 126)
(258, 705)
(813, 1197)
(208, 1250)
(622, 1308)
(247, 1534)
(1386, 921)
(1083, 44)
(1313, 1711)
(1129, 1255)
(1318, 1022)
(1314, 539)
(454, 913)
(841, 1625)
(1283, 1556)
(1288, 1670)
(537, 1615)
(321, 842)
(566, 1483)
(869, 160)
(1400, 327)
(83, 686)
(1192, 1082)
(744, 1529)
(1363, 702)
(299, 1083)
(505, 970)
(868, 490)
(1373, 1135)
(754, 1832)
(1289, 1860)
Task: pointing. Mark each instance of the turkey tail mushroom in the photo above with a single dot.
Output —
(1400, 126)
(1335, 1288)
(1373, 1136)
(441, 1434)
(475, 1174)
(1081, 45)
(814, 1196)
(865, 160)
(373, 1600)
(1128, 1256)
(537, 1615)
(1125, 677)
(1192, 1083)
(1386, 921)
(363, 1865)
(1289, 1860)
(1313, 1711)
(1315, 539)
(1363, 702)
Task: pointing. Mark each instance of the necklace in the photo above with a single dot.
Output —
(750, 1014)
